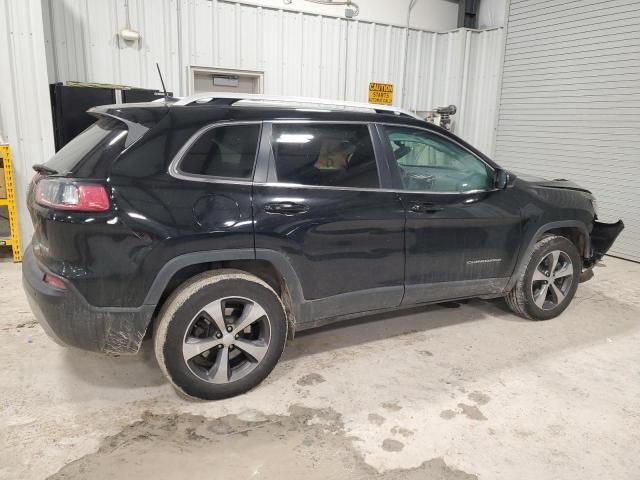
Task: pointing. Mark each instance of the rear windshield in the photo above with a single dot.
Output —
(90, 154)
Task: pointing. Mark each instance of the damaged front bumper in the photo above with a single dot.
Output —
(602, 237)
(69, 320)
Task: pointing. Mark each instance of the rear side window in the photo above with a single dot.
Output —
(334, 155)
(91, 153)
(226, 151)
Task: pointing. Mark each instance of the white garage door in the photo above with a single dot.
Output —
(570, 102)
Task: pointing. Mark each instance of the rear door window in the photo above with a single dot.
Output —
(91, 153)
(227, 151)
(332, 155)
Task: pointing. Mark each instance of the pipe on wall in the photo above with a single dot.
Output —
(181, 66)
(347, 3)
(412, 4)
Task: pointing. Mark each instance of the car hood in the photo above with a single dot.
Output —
(556, 183)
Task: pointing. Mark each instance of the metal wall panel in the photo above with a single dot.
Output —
(299, 53)
(570, 102)
(25, 118)
(82, 41)
(460, 68)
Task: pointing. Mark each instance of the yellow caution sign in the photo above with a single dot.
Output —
(381, 93)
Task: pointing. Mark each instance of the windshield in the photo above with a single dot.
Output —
(90, 154)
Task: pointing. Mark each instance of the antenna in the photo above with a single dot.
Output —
(164, 89)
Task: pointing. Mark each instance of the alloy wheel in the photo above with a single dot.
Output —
(552, 279)
(227, 339)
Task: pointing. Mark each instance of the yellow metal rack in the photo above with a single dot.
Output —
(13, 240)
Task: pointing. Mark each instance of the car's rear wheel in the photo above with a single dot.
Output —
(549, 280)
(220, 334)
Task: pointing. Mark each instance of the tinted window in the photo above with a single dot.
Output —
(330, 155)
(228, 151)
(432, 163)
(91, 152)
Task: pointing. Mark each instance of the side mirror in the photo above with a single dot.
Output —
(501, 179)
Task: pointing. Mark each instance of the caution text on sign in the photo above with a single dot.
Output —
(381, 93)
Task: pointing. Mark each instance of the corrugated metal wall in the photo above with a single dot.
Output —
(299, 53)
(82, 41)
(570, 102)
(25, 121)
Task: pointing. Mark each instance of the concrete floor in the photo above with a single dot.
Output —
(434, 393)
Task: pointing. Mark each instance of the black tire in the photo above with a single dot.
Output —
(184, 315)
(521, 298)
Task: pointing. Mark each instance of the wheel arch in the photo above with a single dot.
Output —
(578, 236)
(574, 230)
(268, 265)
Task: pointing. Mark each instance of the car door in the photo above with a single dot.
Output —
(187, 189)
(322, 207)
(462, 234)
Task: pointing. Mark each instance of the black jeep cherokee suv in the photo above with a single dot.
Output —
(222, 226)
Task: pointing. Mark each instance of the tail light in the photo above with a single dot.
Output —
(54, 281)
(36, 178)
(63, 194)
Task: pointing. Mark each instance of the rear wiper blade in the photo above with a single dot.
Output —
(38, 167)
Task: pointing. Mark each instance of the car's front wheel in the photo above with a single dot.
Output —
(549, 280)
(220, 334)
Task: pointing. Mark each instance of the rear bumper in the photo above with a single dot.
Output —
(67, 317)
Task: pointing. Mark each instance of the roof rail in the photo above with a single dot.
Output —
(227, 98)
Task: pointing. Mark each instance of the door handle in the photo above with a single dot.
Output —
(286, 208)
(425, 208)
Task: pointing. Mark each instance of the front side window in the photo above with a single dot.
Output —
(225, 151)
(429, 162)
(335, 155)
